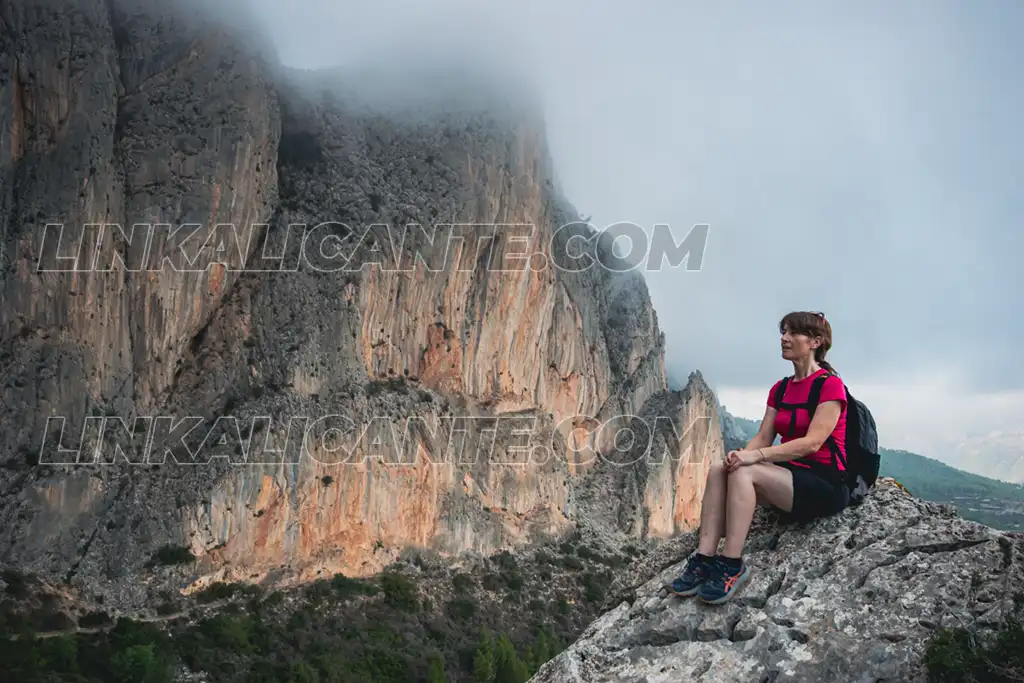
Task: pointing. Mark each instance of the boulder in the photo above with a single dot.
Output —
(853, 597)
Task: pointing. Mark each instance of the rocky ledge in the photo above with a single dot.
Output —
(854, 597)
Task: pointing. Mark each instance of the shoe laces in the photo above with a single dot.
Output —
(720, 570)
(696, 566)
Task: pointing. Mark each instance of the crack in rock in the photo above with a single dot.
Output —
(821, 570)
(798, 635)
(1007, 549)
(927, 549)
(718, 627)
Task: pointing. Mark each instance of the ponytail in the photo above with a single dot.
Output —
(822, 362)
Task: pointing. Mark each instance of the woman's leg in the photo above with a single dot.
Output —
(712, 527)
(712, 510)
(747, 486)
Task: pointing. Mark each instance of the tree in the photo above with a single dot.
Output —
(138, 664)
(302, 672)
(530, 660)
(507, 665)
(483, 661)
(435, 674)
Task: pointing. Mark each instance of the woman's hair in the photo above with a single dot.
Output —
(813, 324)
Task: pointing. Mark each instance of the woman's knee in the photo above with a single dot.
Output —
(742, 474)
(717, 471)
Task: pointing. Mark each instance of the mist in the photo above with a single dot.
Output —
(855, 158)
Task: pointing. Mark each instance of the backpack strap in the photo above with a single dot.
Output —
(814, 395)
(830, 441)
(780, 392)
(813, 398)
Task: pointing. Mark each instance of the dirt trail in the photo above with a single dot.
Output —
(107, 627)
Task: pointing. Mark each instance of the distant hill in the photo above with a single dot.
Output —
(997, 504)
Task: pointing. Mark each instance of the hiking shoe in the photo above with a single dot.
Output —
(695, 574)
(723, 583)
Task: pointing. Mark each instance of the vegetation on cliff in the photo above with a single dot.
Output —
(962, 655)
(495, 622)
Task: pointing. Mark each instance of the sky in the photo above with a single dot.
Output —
(858, 158)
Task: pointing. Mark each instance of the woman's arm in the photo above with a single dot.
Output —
(825, 418)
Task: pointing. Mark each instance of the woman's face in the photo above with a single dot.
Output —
(797, 346)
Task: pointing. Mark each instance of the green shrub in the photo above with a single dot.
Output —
(218, 591)
(435, 672)
(167, 607)
(319, 590)
(48, 619)
(462, 583)
(461, 608)
(399, 592)
(173, 554)
(17, 585)
(571, 562)
(962, 656)
(94, 619)
(506, 561)
(138, 664)
(513, 579)
(594, 586)
(275, 599)
(345, 588)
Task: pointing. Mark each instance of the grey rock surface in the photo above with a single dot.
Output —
(850, 598)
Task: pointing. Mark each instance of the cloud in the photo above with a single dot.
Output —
(860, 160)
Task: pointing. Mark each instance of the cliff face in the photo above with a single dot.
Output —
(851, 598)
(123, 113)
(650, 482)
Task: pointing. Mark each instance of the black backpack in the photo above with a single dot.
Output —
(862, 459)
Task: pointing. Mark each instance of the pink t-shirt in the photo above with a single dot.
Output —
(797, 391)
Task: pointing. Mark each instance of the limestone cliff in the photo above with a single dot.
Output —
(850, 598)
(118, 112)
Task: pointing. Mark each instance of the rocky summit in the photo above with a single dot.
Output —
(855, 597)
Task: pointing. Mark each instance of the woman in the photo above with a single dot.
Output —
(801, 476)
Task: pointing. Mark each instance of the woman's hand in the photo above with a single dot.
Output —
(741, 458)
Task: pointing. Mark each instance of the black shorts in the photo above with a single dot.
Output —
(815, 495)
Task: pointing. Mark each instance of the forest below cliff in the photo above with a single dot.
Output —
(496, 620)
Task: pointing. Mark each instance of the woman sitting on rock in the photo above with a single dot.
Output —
(802, 476)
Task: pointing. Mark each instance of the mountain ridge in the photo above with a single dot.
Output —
(160, 116)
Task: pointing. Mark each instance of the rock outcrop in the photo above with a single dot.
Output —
(733, 436)
(143, 113)
(850, 598)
